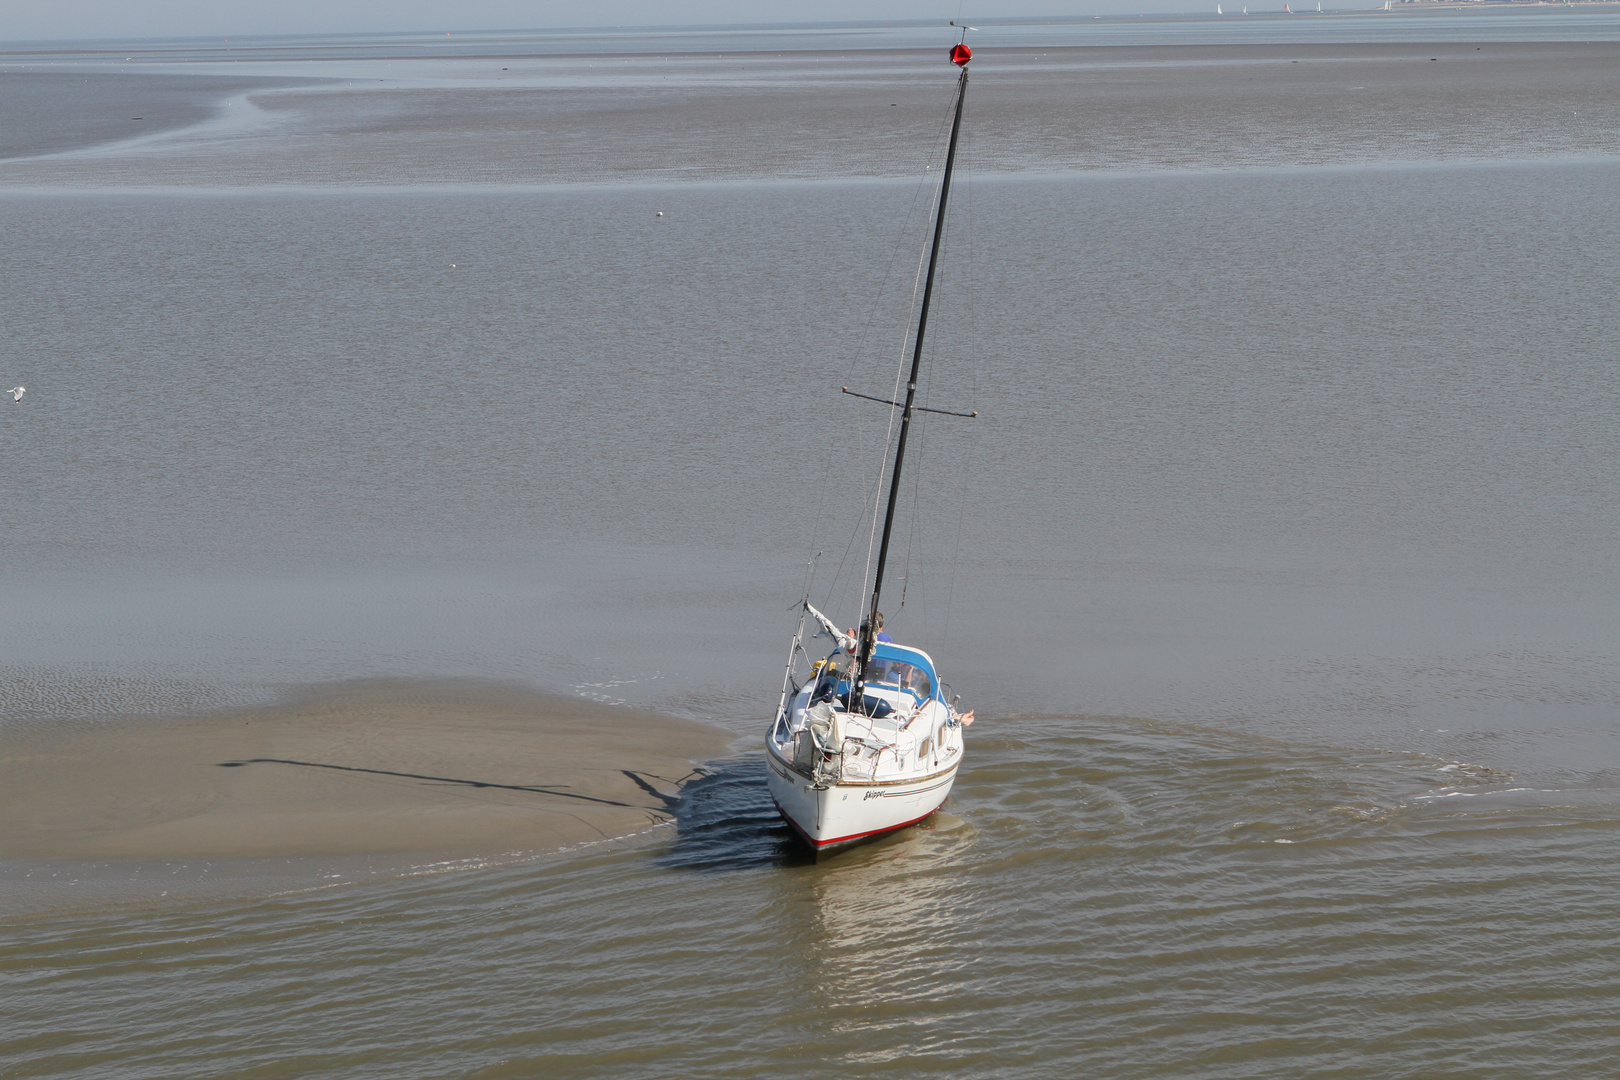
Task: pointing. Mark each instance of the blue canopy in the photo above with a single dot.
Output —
(883, 650)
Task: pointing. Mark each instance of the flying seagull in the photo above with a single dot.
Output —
(17, 392)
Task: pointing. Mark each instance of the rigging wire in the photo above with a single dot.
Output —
(926, 184)
(936, 243)
(899, 377)
(947, 286)
(943, 284)
(861, 349)
(938, 192)
(920, 189)
(966, 473)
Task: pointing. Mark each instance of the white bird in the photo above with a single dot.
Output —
(660, 213)
(17, 392)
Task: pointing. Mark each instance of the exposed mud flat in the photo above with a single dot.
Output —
(874, 113)
(354, 769)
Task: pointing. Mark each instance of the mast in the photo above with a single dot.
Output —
(868, 630)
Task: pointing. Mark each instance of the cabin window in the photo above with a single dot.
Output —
(899, 675)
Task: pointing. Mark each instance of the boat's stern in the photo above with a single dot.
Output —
(830, 815)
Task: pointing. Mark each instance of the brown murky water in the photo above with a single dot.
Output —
(1312, 468)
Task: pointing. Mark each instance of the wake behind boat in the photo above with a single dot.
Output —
(868, 741)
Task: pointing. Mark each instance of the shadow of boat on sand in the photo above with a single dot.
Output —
(726, 821)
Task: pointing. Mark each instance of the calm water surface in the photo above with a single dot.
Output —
(1280, 563)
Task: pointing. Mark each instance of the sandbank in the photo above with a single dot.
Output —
(360, 768)
(813, 116)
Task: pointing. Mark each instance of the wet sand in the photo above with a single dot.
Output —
(54, 112)
(617, 119)
(364, 768)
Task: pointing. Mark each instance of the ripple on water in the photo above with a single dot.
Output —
(1104, 897)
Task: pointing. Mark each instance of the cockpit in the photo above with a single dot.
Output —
(894, 669)
(900, 675)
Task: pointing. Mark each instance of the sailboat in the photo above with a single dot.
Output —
(867, 740)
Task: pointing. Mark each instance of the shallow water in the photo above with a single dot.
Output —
(1121, 898)
(1314, 468)
(1335, 458)
(375, 117)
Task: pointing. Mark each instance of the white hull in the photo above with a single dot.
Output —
(839, 776)
(838, 814)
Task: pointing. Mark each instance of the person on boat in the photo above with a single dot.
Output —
(917, 682)
(881, 635)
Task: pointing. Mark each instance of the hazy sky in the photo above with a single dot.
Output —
(29, 20)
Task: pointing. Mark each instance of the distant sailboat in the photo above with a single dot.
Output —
(1286, 11)
(1217, 9)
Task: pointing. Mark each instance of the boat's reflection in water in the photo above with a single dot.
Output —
(885, 924)
(876, 924)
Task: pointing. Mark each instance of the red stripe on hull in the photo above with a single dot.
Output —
(823, 845)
